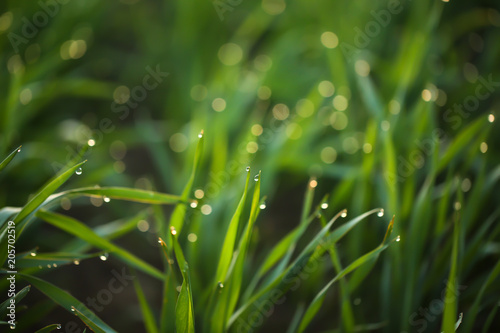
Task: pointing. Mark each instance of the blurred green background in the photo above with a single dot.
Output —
(388, 104)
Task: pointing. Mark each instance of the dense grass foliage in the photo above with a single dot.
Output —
(203, 166)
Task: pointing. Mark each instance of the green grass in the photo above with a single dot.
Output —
(279, 166)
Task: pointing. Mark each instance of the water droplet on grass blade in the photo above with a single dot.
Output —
(200, 135)
(344, 213)
(178, 288)
(33, 254)
(104, 256)
(256, 178)
(248, 168)
(220, 285)
(19, 149)
(324, 205)
(194, 204)
(59, 326)
(79, 171)
(76, 262)
(262, 205)
(106, 199)
(398, 238)
(173, 231)
(380, 212)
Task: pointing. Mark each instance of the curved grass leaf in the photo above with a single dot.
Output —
(68, 302)
(57, 258)
(80, 230)
(9, 158)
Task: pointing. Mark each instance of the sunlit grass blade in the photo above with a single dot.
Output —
(17, 297)
(68, 302)
(9, 158)
(318, 300)
(147, 313)
(450, 307)
(230, 239)
(169, 292)
(80, 230)
(177, 218)
(87, 321)
(184, 309)
(49, 328)
(57, 258)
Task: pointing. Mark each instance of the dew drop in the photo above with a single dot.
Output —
(262, 206)
(248, 168)
(194, 204)
(324, 205)
(76, 262)
(106, 199)
(344, 213)
(91, 143)
(104, 256)
(59, 326)
(173, 231)
(79, 171)
(19, 150)
(33, 254)
(49, 266)
(220, 285)
(200, 135)
(380, 212)
(256, 178)
(159, 241)
(179, 288)
(72, 309)
(12, 327)
(55, 265)
(398, 238)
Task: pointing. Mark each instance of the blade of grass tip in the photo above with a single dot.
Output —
(177, 219)
(230, 239)
(17, 297)
(184, 309)
(450, 307)
(318, 300)
(49, 328)
(68, 302)
(147, 314)
(9, 158)
(80, 230)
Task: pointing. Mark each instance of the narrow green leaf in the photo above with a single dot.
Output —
(68, 302)
(230, 239)
(9, 158)
(80, 230)
(87, 321)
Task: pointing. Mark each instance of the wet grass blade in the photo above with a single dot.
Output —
(177, 219)
(147, 314)
(230, 239)
(9, 158)
(68, 302)
(81, 231)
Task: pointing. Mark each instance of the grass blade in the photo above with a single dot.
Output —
(17, 297)
(9, 158)
(49, 328)
(80, 230)
(147, 314)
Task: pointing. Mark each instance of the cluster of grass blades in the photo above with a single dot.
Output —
(226, 300)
